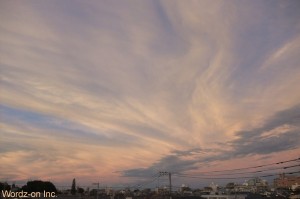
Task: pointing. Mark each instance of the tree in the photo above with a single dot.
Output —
(80, 190)
(73, 188)
(4, 186)
(39, 186)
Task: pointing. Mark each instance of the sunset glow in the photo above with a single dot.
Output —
(118, 90)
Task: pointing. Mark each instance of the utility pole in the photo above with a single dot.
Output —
(164, 173)
(170, 183)
(97, 188)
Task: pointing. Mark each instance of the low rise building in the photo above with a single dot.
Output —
(285, 181)
(238, 196)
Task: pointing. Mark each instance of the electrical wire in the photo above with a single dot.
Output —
(144, 184)
(249, 172)
(205, 175)
(253, 167)
(242, 177)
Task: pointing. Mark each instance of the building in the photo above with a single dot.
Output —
(162, 190)
(286, 181)
(239, 196)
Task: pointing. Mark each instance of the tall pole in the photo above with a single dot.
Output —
(170, 183)
(97, 188)
(163, 173)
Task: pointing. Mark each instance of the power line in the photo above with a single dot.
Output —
(146, 183)
(223, 178)
(253, 167)
(204, 175)
(249, 172)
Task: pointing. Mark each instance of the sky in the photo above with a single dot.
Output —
(116, 91)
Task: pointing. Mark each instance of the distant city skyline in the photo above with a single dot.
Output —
(117, 91)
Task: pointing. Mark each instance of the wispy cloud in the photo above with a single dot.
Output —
(258, 141)
(105, 83)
